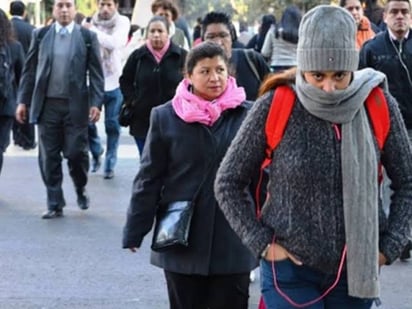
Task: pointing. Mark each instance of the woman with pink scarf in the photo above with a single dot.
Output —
(187, 138)
(151, 75)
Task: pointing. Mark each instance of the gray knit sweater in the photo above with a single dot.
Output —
(304, 211)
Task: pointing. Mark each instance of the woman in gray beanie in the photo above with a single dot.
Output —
(322, 234)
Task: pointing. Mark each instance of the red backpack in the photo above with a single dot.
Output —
(282, 105)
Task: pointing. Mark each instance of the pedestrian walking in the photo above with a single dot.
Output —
(322, 235)
(279, 47)
(391, 53)
(63, 84)
(23, 134)
(188, 137)
(11, 64)
(150, 76)
(112, 31)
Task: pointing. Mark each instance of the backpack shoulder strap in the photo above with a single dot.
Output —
(378, 111)
(251, 59)
(279, 113)
(276, 121)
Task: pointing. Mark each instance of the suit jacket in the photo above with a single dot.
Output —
(37, 68)
(23, 31)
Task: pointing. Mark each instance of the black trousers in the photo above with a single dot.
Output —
(208, 292)
(6, 123)
(57, 135)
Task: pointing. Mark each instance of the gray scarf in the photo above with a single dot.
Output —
(359, 172)
(107, 26)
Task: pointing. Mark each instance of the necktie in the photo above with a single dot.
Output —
(63, 31)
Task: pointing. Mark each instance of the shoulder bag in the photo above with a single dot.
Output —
(173, 222)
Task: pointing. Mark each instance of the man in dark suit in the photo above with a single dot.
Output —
(23, 134)
(60, 61)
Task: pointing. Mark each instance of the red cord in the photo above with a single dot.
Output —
(296, 305)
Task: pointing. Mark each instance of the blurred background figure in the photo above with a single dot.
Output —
(159, 64)
(256, 42)
(168, 9)
(374, 12)
(247, 66)
(11, 64)
(235, 41)
(23, 134)
(112, 30)
(244, 34)
(197, 29)
(366, 30)
(281, 40)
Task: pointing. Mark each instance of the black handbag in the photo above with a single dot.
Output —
(172, 225)
(173, 221)
(126, 114)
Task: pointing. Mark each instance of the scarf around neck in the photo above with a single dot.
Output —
(359, 166)
(158, 54)
(106, 26)
(192, 108)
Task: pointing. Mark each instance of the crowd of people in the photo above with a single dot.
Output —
(202, 120)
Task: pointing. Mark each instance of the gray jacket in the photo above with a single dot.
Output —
(83, 62)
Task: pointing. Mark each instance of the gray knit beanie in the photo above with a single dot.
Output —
(327, 36)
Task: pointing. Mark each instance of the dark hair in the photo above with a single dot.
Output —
(267, 21)
(342, 3)
(17, 8)
(233, 32)
(204, 50)
(288, 27)
(6, 32)
(389, 1)
(161, 19)
(165, 5)
(216, 18)
(79, 17)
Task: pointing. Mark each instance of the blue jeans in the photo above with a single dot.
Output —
(303, 284)
(112, 102)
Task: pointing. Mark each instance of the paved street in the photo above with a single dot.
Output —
(77, 261)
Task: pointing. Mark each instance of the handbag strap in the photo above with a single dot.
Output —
(208, 171)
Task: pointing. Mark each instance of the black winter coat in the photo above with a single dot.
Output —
(149, 83)
(382, 54)
(175, 159)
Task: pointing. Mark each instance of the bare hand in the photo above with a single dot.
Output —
(21, 113)
(94, 114)
(87, 25)
(382, 259)
(133, 249)
(277, 253)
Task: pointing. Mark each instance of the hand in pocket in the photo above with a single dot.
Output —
(278, 253)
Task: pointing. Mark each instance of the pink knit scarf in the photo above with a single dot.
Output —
(158, 54)
(191, 108)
